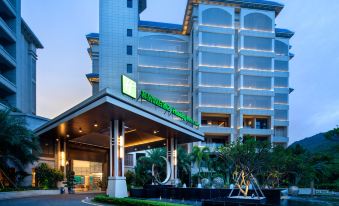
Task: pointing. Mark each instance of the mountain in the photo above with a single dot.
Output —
(316, 143)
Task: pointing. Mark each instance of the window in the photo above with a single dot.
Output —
(129, 68)
(281, 82)
(216, 17)
(216, 80)
(281, 66)
(216, 100)
(261, 123)
(129, 32)
(129, 160)
(216, 59)
(256, 82)
(257, 43)
(281, 98)
(215, 120)
(257, 102)
(163, 43)
(258, 21)
(129, 50)
(281, 48)
(281, 114)
(216, 40)
(129, 3)
(260, 63)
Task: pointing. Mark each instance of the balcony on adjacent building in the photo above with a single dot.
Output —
(6, 59)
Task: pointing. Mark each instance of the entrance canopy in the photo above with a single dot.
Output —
(88, 123)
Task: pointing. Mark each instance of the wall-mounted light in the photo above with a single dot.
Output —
(63, 159)
(175, 157)
(121, 145)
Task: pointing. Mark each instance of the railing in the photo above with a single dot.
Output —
(7, 27)
(7, 54)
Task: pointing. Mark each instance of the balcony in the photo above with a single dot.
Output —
(6, 32)
(6, 58)
(7, 86)
(7, 8)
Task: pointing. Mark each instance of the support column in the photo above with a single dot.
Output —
(172, 158)
(117, 186)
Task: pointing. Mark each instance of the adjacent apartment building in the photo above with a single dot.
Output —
(226, 65)
(18, 46)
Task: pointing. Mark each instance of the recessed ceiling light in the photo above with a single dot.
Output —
(95, 125)
(80, 130)
(67, 135)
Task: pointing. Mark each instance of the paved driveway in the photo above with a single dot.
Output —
(53, 200)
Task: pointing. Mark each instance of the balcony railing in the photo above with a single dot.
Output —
(7, 56)
(10, 32)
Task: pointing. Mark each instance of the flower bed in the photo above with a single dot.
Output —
(131, 201)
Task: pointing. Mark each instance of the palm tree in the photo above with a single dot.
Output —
(18, 146)
(199, 156)
(184, 165)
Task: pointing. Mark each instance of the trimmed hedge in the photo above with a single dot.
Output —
(131, 201)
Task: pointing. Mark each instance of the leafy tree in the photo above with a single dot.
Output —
(200, 157)
(184, 165)
(18, 146)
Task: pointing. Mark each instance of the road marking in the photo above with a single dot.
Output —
(89, 203)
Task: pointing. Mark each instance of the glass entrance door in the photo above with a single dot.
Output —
(88, 175)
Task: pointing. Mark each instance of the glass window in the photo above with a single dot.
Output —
(129, 32)
(260, 102)
(281, 114)
(129, 68)
(217, 40)
(155, 78)
(281, 98)
(163, 62)
(129, 3)
(281, 48)
(216, 100)
(248, 122)
(256, 82)
(258, 43)
(163, 43)
(216, 17)
(216, 79)
(281, 65)
(129, 50)
(281, 82)
(216, 59)
(261, 123)
(258, 21)
(218, 120)
(260, 63)
(280, 131)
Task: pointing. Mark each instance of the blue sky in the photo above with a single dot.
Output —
(62, 25)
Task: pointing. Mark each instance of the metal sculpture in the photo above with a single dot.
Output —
(155, 174)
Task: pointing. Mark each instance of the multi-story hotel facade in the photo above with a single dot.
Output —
(18, 57)
(227, 65)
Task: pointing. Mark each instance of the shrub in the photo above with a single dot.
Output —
(131, 201)
(47, 177)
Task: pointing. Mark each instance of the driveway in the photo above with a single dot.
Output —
(53, 200)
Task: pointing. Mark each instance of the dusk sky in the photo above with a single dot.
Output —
(62, 25)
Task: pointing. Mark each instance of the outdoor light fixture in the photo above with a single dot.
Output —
(67, 135)
(155, 132)
(80, 130)
(63, 159)
(95, 125)
(175, 157)
(121, 146)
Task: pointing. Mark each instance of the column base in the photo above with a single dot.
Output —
(117, 187)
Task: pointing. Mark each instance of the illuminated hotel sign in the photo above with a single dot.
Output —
(157, 102)
(129, 88)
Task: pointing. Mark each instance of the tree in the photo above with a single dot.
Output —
(18, 146)
(200, 157)
(184, 165)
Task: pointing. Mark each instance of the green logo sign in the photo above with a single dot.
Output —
(157, 102)
(128, 87)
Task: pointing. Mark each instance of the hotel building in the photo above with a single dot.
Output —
(18, 46)
(227, 65)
